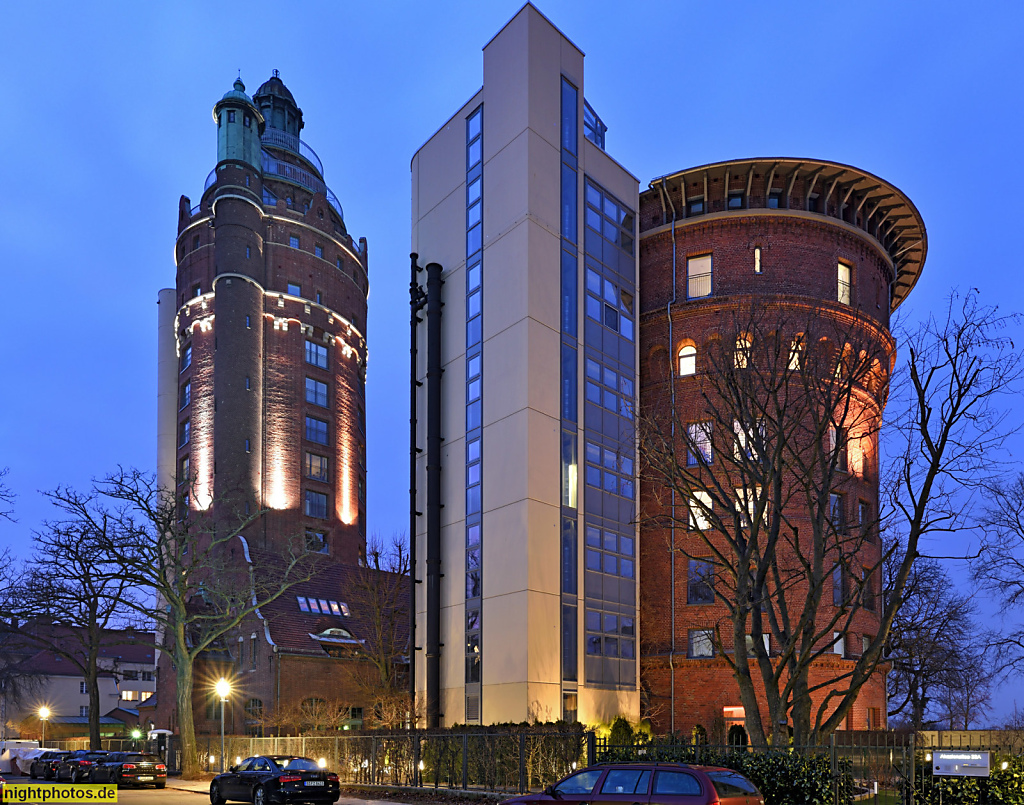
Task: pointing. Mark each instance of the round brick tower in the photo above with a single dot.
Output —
(794, 265)
(270, 339)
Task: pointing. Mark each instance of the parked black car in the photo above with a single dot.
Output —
(46, 764)
(130, 768)
(76, 766)
(275, 779)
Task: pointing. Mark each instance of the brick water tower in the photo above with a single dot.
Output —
(262, 341)
(766, 289)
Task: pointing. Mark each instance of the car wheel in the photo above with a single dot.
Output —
(215, 797)
(259, 796)
(74, 776)
(32, 772)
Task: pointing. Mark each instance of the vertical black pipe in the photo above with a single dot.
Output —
(416, 301)
(433, 574)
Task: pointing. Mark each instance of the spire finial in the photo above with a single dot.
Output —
(277, 74)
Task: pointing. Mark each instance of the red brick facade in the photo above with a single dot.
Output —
(271, 337)
(775, 258)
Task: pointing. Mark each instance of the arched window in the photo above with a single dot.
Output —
(741, 358)
(254, 709)
(687, 360)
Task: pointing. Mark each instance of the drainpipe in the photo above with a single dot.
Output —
(672, 519)
(433, 508)
(417, 299)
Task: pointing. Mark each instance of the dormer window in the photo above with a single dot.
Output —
(337, 634)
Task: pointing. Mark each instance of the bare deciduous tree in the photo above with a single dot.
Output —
(1000, 565)
(749, 471)
(381, 587)
(202, 577)
(70, 594)
(928, 640)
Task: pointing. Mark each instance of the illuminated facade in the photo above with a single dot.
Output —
(262, 341)
(534, 226)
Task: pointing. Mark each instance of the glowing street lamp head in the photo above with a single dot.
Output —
(222, 688)
(44, 712)
(136, 734)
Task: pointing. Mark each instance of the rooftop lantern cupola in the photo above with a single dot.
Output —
(239, 126)
(278, 106)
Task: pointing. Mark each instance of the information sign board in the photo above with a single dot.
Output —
(960, 763)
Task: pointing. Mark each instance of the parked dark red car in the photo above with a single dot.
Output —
(648, 784)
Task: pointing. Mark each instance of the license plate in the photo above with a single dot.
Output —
(143, 779)
(314, 782)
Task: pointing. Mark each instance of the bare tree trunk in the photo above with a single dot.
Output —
(186, 725)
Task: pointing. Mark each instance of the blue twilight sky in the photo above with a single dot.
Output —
(106, 121)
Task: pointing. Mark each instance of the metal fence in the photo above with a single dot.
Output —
(887, 768)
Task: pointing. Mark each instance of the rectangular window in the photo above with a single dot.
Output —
(241, 653)
(316, 467)
(839, 643)
(695, 205)
(700, 643)
(735, 201)
(186, 358)
(700, 586)
(316, 541)
(698, 277)
(294, 289)
(197, 290)
(316, 430)
(316, 354)
(836, 443)
(844, 282)
(231, 116)
(316, 392)
(868, 590)
(699, 446)
(195, 243)
(318, 250)
(184, 433)
(293, 241)
(700, 508)
(184, 477)
(864, 518)
(838, 586)
(569, 387)
(765, 641)
(570, 470)
(82, 688)
(836, 511)
(757, 259)
(83, 711)
(253, 654)
(774, 199)
(316, 504)
(186, 395)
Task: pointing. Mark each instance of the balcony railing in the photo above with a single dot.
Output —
(293, 173)
(276, 138)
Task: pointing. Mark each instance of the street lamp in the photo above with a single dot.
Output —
(44, 713)
(223, 689)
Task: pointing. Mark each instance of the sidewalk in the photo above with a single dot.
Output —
(203, 787)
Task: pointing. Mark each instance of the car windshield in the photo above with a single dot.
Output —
(731, 784)
(296, 764)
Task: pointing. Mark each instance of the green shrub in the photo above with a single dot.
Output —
(621, 734)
